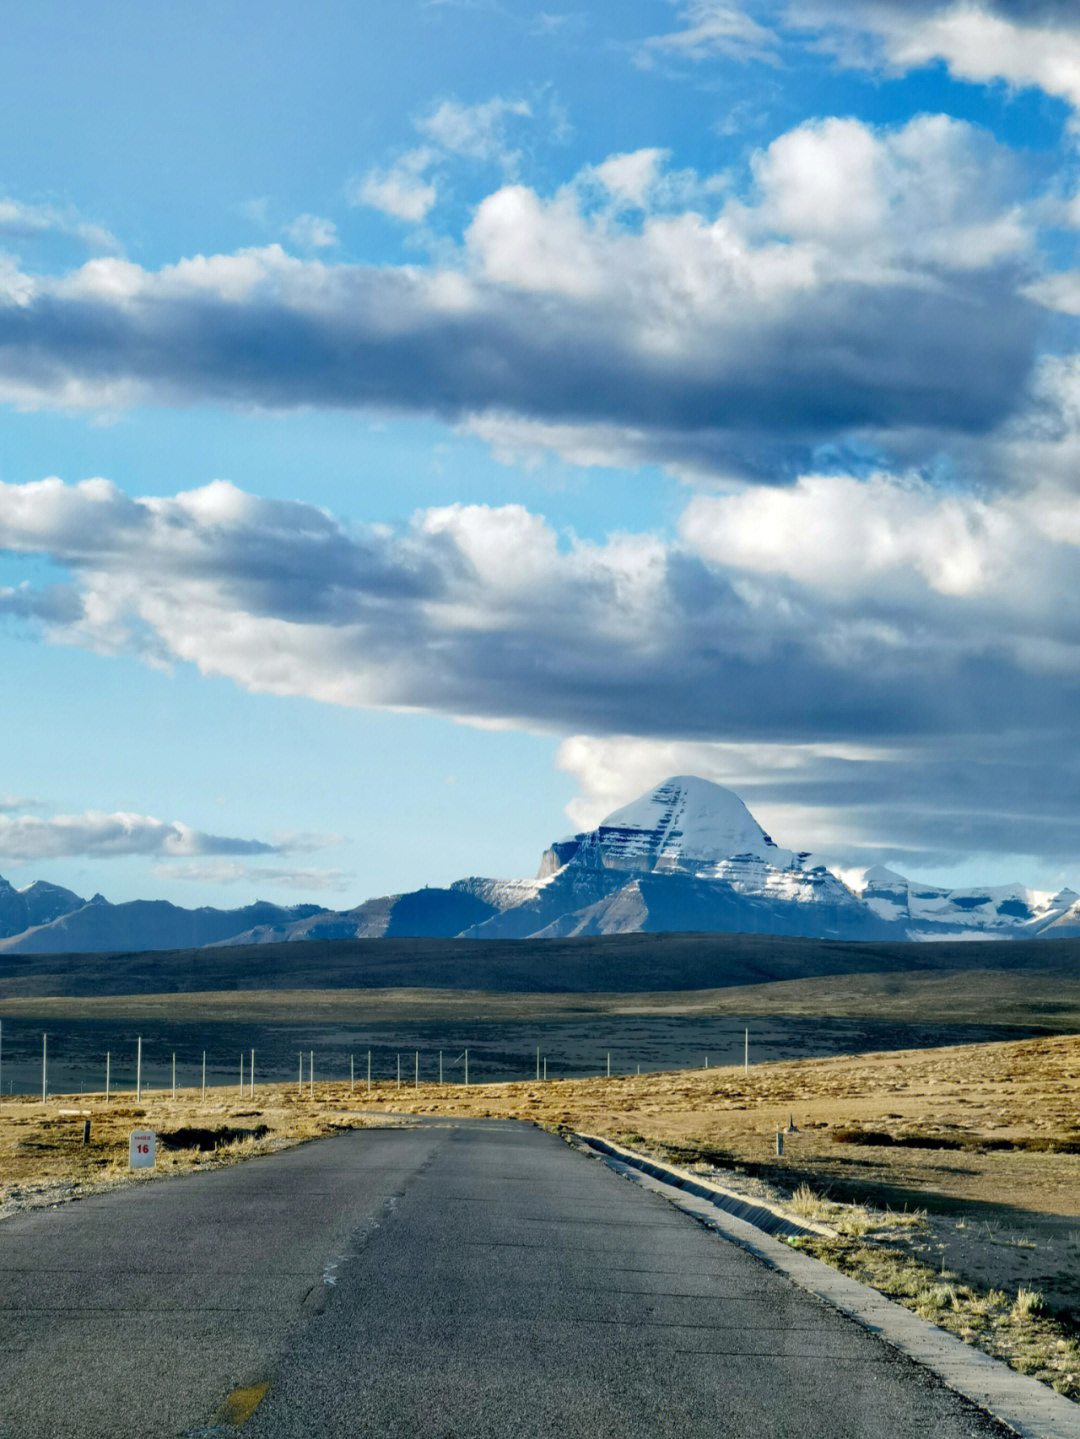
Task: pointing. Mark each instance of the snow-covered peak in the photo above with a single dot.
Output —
(684, 823)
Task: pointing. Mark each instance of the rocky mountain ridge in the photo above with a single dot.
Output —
(686, 857)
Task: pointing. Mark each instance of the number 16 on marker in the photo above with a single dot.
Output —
(141, 1149)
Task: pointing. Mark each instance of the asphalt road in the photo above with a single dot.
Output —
(452, 1281)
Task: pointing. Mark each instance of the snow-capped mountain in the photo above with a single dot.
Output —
(687, 856)
(925, 909)
(685, 824)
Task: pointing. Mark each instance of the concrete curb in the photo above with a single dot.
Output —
(1030, 1408)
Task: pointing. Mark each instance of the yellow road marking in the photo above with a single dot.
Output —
(242, 1403)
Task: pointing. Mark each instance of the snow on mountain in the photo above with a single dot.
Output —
(685, 824)
(986, 910)
(687, 856)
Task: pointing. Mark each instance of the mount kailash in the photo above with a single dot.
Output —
(688, 856)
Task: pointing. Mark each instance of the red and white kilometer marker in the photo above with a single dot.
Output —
(142, 1149)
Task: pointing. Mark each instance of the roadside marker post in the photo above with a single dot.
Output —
(369, 1071)
(466, 1069)
(746, 1056)
(399, 1071)
(204, 1076)
(174, 1076)
(440, 1068)
(138, 1071)
(300, 1081)
(142, 1149)
(545, 1066)
(609, 1064)
(416, 1077)
(44, 1067)
(108, 1074)
(241, 1076)
(352, 1074)
(311, 1074)
(253, 1074)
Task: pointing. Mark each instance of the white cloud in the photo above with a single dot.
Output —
(708, 28)
(935, 193)
(233, 872)
(475, 132)
(701, 341)
(784, 627)
(979, 42)
(312, 232)
(403, 190)
(19, 220)
(844, 536)
(106, 836)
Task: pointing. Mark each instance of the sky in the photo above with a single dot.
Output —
(427, 425)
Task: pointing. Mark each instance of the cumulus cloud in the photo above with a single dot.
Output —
(731, 341)
(407, 188)
(401, 190)
(760, 648)
(476, 132)
(312, 232)
(1021, 42)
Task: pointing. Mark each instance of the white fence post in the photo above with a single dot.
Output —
(138, 1071)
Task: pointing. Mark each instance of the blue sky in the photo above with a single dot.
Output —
(424, 426)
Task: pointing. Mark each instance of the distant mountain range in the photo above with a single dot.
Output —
(687, 857)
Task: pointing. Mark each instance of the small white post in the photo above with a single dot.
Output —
(746, 1056)
(1, 1060)
(311, 1073)
(204, 1076)
(706, 1061)
(138, 1071)
(639, 1069)
(241, 1074)
(369, 1071)
(174, 1075)
(609, 1064)
(352, 1074)
(108, 1074)
(538, 1061)
(300, 1081)
(466, 1069)
(44, 1066)
(440, 1067)
(545, 1066)
(399, 1071)
(253, 1074)
(416, 1075)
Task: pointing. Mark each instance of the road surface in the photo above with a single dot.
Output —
(444, 1282)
